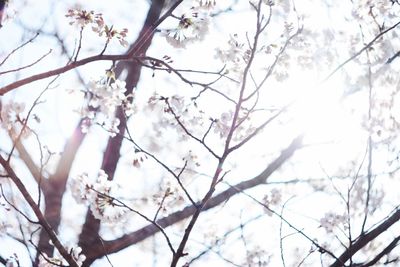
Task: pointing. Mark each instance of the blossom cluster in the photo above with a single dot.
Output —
(173, 109)
(192, 26)
(168, 197)
(235, 54)
(191, 160)
(4, 228)
(184, 115)
(12, 120)
(371, 10)
(105, 95)
(111, 32)
(257, 257)
(272, 199)
(138, 159)
(224, 124)
(76, 253)
(97, 196)
(243, 126)
(13, 261)
(83, 18)
(331, 220)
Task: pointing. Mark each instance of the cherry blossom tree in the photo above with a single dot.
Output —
(192, 132)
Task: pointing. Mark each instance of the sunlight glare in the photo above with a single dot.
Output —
(321, 114)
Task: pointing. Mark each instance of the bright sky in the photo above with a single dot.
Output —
(330, 119)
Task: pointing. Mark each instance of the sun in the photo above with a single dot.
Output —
(325, 114)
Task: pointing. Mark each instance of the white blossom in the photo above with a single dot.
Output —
(104, 98)
(331, 220)
(83, 18)
(138, 159)
(272, 199)
(257, 257)
(13, 261)
(10, 114)
(235, 55)
(177, 103)
(81, 188)
(76, 253)
(192, 26)
(11, 118)
(129, 107)
(97, 196)
(168, 197)
(45, 261)
(111, 32)
(112, 126)
(191, 160)
(224, 124)
(107, 96)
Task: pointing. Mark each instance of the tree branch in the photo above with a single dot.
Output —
(28, 161)
(43, 222)
(384, 252)
(55, 187)
(363, 240)
(127, 240)
(145, 37)
(3, 260)
(361, 50)
(60, 70)
(90, 232)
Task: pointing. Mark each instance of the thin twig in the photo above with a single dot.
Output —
(19, 47)
(27, 66)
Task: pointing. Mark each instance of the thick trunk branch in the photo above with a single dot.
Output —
(127, 240)
(55, 188)
(363, 240)
(42, 220)
(89, 236)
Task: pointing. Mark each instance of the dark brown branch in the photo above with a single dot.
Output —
(55, 187)
(393, 57)
(12, 205)
(145, 37)
(89, 236)
(43, 222)
(3, 260)
(58, 180)
(127, 240)
(28, 161)
(60, 70)
(146, 34)
(363, 240)
(384, 252)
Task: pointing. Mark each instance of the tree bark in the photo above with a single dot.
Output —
(54, 191)
(89, 237)
(130, 239)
